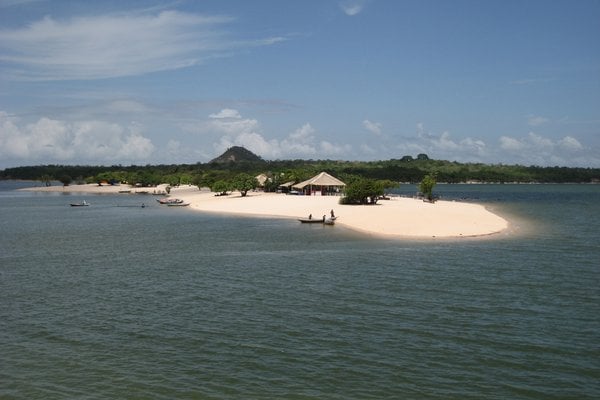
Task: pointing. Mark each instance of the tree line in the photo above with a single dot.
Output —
(404, 170)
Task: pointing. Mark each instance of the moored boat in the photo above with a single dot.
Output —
(323, 220)
(80, 204)
(169, 201)
(311, 220)
(182, 204)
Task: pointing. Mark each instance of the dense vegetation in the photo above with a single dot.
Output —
(406, 169)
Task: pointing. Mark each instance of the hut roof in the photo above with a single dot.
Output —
(287, 184)
(322, 179)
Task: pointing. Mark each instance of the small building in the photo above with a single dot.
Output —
(322, 184)
(262, 179)
(285, 187)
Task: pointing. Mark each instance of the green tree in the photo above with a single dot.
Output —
(244, 182)
(426, 186)
(363, 191)
(185, 179)
(220, 187)
(172, 180)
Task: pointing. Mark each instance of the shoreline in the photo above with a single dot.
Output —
(399, 217)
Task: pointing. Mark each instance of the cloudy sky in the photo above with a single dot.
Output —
(138, 82)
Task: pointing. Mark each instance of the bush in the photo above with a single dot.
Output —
(427, 185)
(363, 191)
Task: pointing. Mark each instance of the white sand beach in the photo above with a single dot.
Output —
(397, 217)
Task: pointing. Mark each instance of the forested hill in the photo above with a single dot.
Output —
(407, 169)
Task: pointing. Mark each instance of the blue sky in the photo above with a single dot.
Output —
(149, 82)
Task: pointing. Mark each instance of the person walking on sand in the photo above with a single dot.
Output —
(332, 214)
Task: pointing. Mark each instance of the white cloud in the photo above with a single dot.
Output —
(333, 149)
(239, 131)
(570, 143)
(305, 133)
(115, 45)
(352, 7)
(536, 120)
(446, 146)
(49, 141)
(300, 143)
(226, 113)
(373, 127)
(234, 126)
(539, 142)
(535, 149)
(476, 146)
(444, 142)
(530, 149)
(511, 144)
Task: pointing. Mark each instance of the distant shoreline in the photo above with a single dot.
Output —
(398, 217)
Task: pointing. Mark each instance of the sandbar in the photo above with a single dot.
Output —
(94, 188)
(394, 218)
(397, 217)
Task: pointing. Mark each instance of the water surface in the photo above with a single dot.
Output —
(119, 301)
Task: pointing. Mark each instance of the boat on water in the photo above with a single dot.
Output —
(80, 204)
(311, 220)
(182, 204)
(324, 220)
(169, 201)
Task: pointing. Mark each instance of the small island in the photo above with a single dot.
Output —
(241, 183)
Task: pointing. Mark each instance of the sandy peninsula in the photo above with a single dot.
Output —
(398, 217)
(94, 188)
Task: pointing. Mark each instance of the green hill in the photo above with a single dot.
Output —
(236, 154)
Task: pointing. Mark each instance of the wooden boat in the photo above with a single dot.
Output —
(182, 204)
(169, 201)
(80, 204)
(324, 220)
(311, 220)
